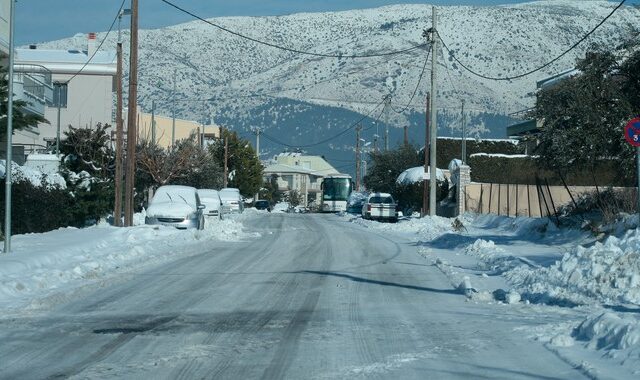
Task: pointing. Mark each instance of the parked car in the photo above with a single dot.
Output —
(380, 206)
(231, 200)
(176, 206)
(355, 202)
(262, 204)
(282, 207)
(212, 202)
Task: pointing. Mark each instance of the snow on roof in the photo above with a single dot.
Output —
(501, 155)
(281, 168)
(64, 56)
(415, 175)
(512, 141)
(42, 157)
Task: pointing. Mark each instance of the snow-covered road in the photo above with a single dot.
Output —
(314, 297)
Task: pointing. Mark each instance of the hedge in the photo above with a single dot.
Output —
(524, 170)
(449, 149)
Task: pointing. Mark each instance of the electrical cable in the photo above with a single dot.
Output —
(292, 50)
(415, 91)
(537, 69)
(274, 140)
(99, 46)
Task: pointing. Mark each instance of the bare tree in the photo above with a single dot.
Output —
(165, 166)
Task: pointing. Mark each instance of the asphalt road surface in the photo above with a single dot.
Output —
(315, 297)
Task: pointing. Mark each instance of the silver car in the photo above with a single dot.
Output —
(176, 206)
(232, 200)
(212, 202)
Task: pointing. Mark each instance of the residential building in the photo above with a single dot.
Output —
(83, 90)
(183, 129)
(527, 125)
(301, 173)
(31, 83)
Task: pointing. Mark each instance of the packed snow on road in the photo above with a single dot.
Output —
(517, 288)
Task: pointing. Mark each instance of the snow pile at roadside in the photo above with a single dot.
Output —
(610, 331)
(41, 265)
(429, 227)
(608, 272)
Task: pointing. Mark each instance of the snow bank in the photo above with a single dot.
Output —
(606, 272)
(610, 331)
(429, 227)
(47, 263)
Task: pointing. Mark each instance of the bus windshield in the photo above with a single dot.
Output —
(336, 189)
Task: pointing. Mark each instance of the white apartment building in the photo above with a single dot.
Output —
(85, 90)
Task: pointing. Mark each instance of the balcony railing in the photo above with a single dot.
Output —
(35, 89)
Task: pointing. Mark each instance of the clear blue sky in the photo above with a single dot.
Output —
(46, 20)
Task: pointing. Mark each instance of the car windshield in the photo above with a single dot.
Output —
(384, 200)
(174, 194)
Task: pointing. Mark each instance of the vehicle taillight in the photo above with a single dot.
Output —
(368, 207)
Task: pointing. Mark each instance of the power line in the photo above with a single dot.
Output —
(99, 46)
(415, 91)
(274, 140)
(539, 68)
(292, 50)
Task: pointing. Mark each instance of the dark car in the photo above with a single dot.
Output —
(262, 205)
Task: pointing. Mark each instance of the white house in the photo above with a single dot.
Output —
(303, 174)
(85, 89)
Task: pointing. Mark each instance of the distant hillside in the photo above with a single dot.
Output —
(299, 99)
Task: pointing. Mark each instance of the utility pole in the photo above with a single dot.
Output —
(173, 110)
(58, 89)
(9, 158)
(464, 136)
(434, 112)
(358, 173)
(425, 187)
(387, 106)
(375, 142)
(117, 209)
(257, 131)
(406, 135)
(153, 121)
(226, 161)
(131, 118)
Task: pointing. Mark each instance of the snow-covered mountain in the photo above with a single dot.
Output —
(300, 99)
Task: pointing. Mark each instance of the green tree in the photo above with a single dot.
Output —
(89, 149)
(386, 166)
(21, 117)
(245, 170)
(583, 116)
(88, 168)
(269, 190)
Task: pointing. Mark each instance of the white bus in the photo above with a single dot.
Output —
(335, 192)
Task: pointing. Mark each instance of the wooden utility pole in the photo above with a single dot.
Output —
(132, 135)
(117, 210)
(433, 127)
(387, 107)
(464, 136)
(226, 161)
(358, 172)
(406, 135)
(425, 184)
